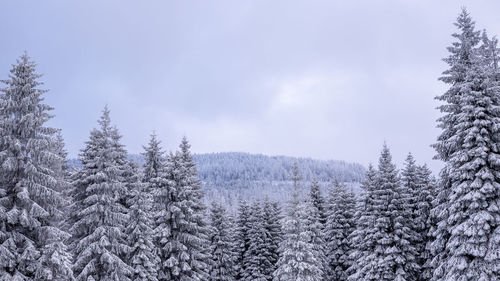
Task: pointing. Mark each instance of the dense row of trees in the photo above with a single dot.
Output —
(112, 220)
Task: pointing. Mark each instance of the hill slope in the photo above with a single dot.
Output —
(230, 176)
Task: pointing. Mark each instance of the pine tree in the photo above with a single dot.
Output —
(315, 227)
(426, 193)
(406, 237)
(460, 60)
(338, 229)
(56, 256)
(466, 239)
(242, 238)
(273, 236)
(154, 159)
(31, 239)
(362, 237)
(142, 255)
(164, 203)
(391, 255)
(318, 201)
(181, 229)
(297, 261)
(99, 242)
(221, 245)
(254, 259)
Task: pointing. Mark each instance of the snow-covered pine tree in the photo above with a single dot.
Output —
(426, 193)
(273, 238)
(468, 249)
(100, 217)
(31, 240)
(242, 238)
(164, 212)
(255, 258)
(221, 245)
(406, 238)
(459, 60)
(316, 229)
(317, 200)
(417, 179)
(297, 261)
(55, 255)
(61, 166)
(139, 232)
(391, 256)
(362, 237)
(181, 228)
(340, 208)
(471, 250)
(154, 159)
(159, 186)
(380, 265)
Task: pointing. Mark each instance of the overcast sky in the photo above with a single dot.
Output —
(320, 79)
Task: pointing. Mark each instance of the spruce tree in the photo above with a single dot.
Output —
(181, 229)
(466, 239)
(164, 203)
(460, 61)
(255, 258)
(318, 201)
(362, 238)
(221, 245)
(31, 239)
(315, 227)
(142, 255)
(298, 260)
(406, 237)
(273, 236)
(99, 242)
(338, 229)
(154, 160)
(391, 255)
(426, 193)
(242, 238)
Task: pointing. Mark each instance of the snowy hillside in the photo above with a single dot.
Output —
(228, 176)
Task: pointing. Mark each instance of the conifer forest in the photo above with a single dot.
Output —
(111, 215)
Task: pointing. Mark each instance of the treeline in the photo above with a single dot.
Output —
(111, 221)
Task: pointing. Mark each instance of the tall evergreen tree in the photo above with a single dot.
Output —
(142, 255)
(406, 237)
(415, 181)
(318, 201)
(391, 255)
(466, 245)
(362, 236)
(154, 159)
(98, 231)
(31, 240)
(426, 193)
(460, 61)
(297, 261)
(255, 259)
(221, 245)
(273, 236)
(338, 229)
(242, 238)
(181, 228)
(315, 227)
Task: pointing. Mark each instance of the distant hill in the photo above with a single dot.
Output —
(226, 169)
(229, 176)
(219, 169)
